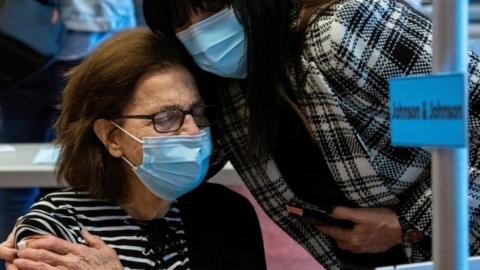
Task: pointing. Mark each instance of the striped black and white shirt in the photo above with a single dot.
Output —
(156, 244)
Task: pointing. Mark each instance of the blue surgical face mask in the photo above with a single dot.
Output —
(217, 44)
(173, 165)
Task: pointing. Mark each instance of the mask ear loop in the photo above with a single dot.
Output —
(133, 137)
(126, 132)
(129, 163)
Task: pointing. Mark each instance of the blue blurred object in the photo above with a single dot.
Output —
(33, 23)
(474, 45)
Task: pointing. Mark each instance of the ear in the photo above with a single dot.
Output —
(108, 135)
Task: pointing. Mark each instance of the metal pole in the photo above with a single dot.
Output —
(450, 166)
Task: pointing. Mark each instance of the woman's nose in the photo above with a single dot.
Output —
(189, 126)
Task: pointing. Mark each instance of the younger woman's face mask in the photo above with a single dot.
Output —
(217, 44)
(173, 165)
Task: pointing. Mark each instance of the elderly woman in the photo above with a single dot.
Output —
(135, 147)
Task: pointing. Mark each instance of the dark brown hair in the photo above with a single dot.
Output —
(272, 41)
(312, 8)
(100, 87)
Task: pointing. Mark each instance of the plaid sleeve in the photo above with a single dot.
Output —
(363, 45)
(474, 152)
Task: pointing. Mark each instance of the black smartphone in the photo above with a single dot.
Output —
(317, 216)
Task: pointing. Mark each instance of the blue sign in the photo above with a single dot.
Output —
(428, 111)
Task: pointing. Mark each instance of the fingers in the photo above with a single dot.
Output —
(10, 266)
(8, 254)
(352, 248)
(343, 245)
(41, 255)
(96, 242)
(345, 213)
(7, 251)
(25, 264)
(56, 245)
(336, 233)
(92, 240)
(10, 242)
(345, 238)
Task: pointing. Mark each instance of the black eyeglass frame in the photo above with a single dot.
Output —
(190, 111)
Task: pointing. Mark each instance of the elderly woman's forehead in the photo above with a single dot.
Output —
(174, 86)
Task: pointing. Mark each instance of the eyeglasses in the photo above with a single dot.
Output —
(172, 120)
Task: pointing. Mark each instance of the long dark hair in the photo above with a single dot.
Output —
(272, 43)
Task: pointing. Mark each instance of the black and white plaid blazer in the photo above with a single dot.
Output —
(352, 49)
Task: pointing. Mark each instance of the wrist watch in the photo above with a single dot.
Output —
(410, 234)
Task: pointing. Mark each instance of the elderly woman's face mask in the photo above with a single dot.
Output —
(173, 165)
